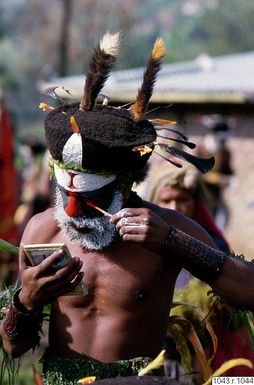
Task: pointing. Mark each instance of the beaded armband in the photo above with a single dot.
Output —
(21, 323)
(201, 260)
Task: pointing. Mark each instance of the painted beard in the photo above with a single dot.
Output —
(90, 233)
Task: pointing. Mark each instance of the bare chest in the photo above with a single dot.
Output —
(121, 277)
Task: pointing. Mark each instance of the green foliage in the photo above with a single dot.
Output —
(5, 300)
(9, 369)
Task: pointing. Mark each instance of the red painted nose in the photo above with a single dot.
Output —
(73, 208)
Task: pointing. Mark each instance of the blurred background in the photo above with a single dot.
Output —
(207, 79)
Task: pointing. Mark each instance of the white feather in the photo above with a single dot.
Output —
(110, 43)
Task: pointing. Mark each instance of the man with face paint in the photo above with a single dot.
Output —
(128, 253)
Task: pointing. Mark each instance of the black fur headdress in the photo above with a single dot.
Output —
(96, 137)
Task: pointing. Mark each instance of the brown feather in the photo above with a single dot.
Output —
(145, 92)
(100, 66)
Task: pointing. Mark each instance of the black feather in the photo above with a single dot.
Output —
(191, 145)
(160, 128)
(202, 164)
(179, 165)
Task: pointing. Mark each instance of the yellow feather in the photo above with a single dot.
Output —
(159, 49)
(74, 125)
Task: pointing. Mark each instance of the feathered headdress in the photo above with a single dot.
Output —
(95, 137)
(101, 64)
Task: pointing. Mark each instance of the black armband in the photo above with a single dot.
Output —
(201, 260)
(19, 323)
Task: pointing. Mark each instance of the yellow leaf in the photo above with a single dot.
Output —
(188, 333)
(200, 354)
(87, 380)
(176, 331)
(229, 365)
(155, 364)
(203, 319)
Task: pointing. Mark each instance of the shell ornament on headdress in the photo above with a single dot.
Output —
(96, 138)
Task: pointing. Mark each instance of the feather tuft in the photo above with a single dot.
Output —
(159, 49)
(110, 43)
(145, 92)
(101, 63)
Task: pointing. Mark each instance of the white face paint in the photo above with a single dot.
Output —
(90, 233)
(76, 181)
(73, 151)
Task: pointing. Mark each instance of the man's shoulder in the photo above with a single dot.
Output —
(161, 211)
(172, 217)
(46, 216)
(43, 226)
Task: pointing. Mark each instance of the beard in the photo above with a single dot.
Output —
(92, 233)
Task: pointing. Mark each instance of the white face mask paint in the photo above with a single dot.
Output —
(90, 233)
(76, 181)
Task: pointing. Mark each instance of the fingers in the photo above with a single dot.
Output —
(125, 213)
(64, 280)
(57, 273)
(77, 280)
(132, 221)
(132, 227)
(53, 262)
(67, 286)
(141, 225)
(69, 272)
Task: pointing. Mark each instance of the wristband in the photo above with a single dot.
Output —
(201, 260)
(21, 323)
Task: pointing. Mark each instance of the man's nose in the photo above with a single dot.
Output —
(73, 208)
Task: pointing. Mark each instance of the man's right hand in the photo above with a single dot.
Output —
(40, 286)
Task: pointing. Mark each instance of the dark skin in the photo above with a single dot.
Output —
(130, 287)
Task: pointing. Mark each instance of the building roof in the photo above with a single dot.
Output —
(222, 79)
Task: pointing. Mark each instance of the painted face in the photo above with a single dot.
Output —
(75, 204)
(78, 188)
(92, 233)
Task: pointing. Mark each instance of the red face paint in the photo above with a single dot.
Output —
(75, 203)
(73, 207)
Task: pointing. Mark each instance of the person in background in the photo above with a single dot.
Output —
(222, 175)
(183, 189)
